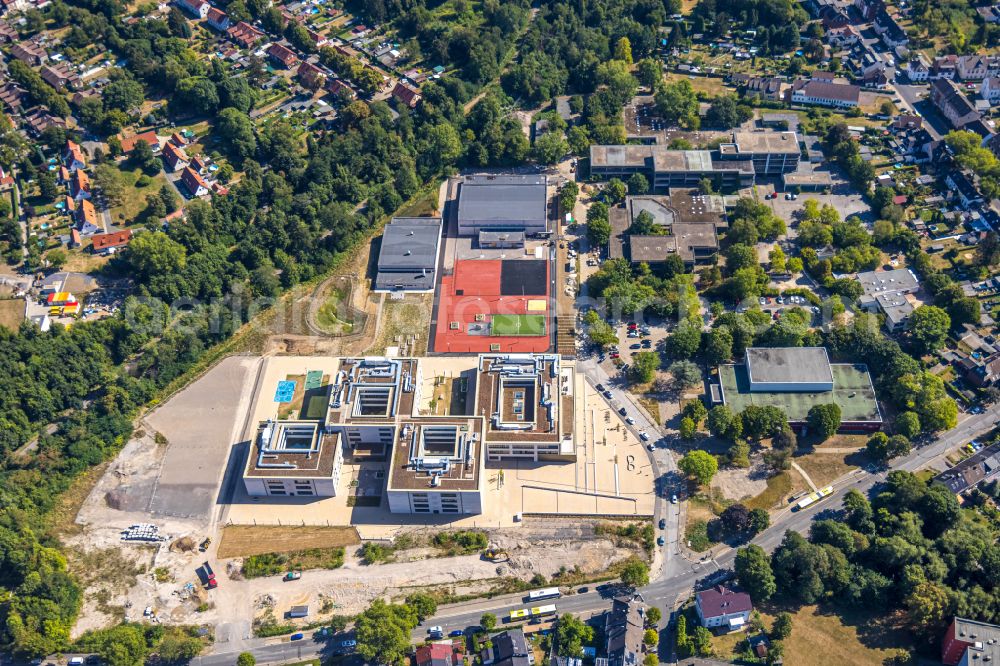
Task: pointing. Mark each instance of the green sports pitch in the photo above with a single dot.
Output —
(518, 325)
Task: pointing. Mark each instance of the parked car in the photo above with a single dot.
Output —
(296, 637)
(600, 388)
(635, 346)
(436, 632)
(607, 394)
(663, 523)
(660, 541)
(673, 498)
(348, 644)
(622, 411)
(456, 633)
(644, 436)
(629, 420)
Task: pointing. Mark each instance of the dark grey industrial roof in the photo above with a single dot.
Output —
(502, 198)
(410, 242)
(789, 365)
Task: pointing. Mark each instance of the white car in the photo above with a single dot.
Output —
(629, 420)
(673, 499)
(436, 632)
(643, 435)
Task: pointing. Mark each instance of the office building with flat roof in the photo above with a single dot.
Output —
(772, 153)
(293, 459)
(407, 259)
(688, 221)
(667, 168)
(496, 203)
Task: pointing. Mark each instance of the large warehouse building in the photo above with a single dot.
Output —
(407, 259)
(795, 379)
(491, 204)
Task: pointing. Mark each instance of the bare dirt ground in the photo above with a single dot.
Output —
(737, 484)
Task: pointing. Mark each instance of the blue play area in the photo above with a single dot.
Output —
(285, 391)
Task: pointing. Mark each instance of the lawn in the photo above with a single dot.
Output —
(133, 201)
(820, 637)
(824, 468)
(712, 86)
(518, 325)
(245, 540)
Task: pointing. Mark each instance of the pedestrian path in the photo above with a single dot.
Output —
(805, 476)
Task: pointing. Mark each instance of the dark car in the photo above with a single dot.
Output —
(635, 346)
(456, 633)
(600, 388)
(663, 523)
(622, 411)
(607, 394)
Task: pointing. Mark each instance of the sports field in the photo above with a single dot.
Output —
(513, 324)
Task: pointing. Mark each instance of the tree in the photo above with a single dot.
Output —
(677, 103)
(644, 366)
(881, 447)
(761, 421)
(615, 190)
(383, 632)
(236, 131)
(649, 72)
(56, 258)
(929, 607)
(907, 424)
(782, 627)
(550, 147)
(598, 225)
(623, 50)
(488, 621)
(570, 635)
(653, 616)
(777, 258)
(635, 573)
(824, 420)
(723, 423)
(699, 465)
(108, 180)
(650, 660)
(760, 520)
(638, 184)
(695, 410)
(423, 604)
(739, 454)
(753, 572)
(650, 638)
(246, 659)
(684, 342)
(155, 253)
(142, 156)
(928, 327)
(601, 333)
(726, 113)
(687, 428)
(735, 518)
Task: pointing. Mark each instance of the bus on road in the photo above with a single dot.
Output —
(812, 498)
(516, 615)
(547, 593)
(539, 612)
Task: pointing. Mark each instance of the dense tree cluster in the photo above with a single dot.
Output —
(912, 547)
(776, 22)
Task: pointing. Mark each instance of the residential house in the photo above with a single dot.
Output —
(13, 97)
(79, 185)
(7, 6)
(73, 156)
(886, 292)
(869, 8)
(833, 18)
(197, 8)
(990, 90)
(6, 180)
(199, 163)
(311, 76)
(908, 121)
(509, 648)
(39, 119)
(952, 103)
(889, 30)
(8, 34)
(917, 70)
(876, 80)
(990, 14)
(61, 77)
(105, 244)
(195, 184)
(823, 93)
(982, 467)
(245, 34)
(763, 87)
(29, 53)
(283, 56)
(435, 654)
(945, 67)
(842, 37)
(964, 187)
(976, 68)
(984, 372)
(723, 607)
(318, 39)
(86, 219)
(148, 137)
(178, 140)
(338, 87)
(404, 94)
(175, 157)
(624, 626)
(217, 18)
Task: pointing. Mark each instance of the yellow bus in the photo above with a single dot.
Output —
(543, 611)
(516, 615)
